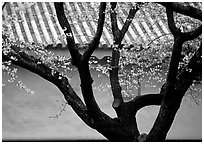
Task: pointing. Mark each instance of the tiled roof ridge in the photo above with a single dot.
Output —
(37, 24)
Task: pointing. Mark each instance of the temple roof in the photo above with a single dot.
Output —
(37, 23)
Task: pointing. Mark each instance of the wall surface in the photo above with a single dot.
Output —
(29, 117)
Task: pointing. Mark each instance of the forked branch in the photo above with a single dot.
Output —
(171, 23)
(118, 36)
(95, 41)
(177, 47)
(81, 62)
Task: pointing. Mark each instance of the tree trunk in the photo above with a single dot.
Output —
(119, 129)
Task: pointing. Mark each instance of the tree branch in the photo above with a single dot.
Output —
(177, 48)
(130, 17)
(172, 91)
(175, 58)
(114, 80)
(76, 56)
(38, 67)
(144, 100)
(118, 36)
(96, 40)
(4, 5)
(157, 38)
(170, 105)
(171, 23)
(193, 34)
(116, 31)
(87, 91)
(82, 62)
(190, 72)
(186, 10)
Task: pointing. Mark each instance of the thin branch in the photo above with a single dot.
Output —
(157, 38)
(193, 34)
(130, 17)
(68, 32)
(4, 5)
(186, 10)
(116, 31)
(190, 72)
(96, 40)
(171, 23)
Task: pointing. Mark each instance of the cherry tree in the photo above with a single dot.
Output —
(183, 69)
